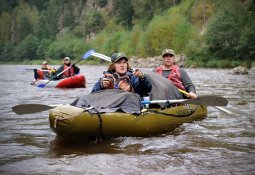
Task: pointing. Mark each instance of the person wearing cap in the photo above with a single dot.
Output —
(120, 76)
(73, 70)
(44, 72)
(178, 76)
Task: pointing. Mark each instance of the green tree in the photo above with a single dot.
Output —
(27, 48)
(124, 12)
(52, 16)
(5, 27)
(246, 45)
(42, 48)
(92, 22)
(24, 28)
(223, 35)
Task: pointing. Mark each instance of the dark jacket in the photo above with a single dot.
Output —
(140, 86)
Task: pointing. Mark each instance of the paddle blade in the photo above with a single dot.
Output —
(41, 85)
(88, 54)
(30, 108)
(207, 101)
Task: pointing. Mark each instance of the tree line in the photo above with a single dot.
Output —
(211, 33)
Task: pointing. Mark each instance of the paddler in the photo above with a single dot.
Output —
(177, 75)
(120, 76)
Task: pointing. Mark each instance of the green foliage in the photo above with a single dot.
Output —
(124, 12)
(102, 3)
(66, 46)
(5, 27)
(211, 33)
(7, 51)
(246, 45)
(224, 33)
(51, 18)
(92, 22)
(27, 48)
(201, 11)
(42, 48)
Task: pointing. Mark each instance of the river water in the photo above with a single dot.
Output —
(219, 144)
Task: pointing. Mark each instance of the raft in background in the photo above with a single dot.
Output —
(70, 121)
(77, 81)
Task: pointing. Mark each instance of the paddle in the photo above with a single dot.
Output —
(31, 108)
(207, 100)
(203, 100)
(99, 55)
(34, 108)
(34, 69)
(86, 55)
(215, 106)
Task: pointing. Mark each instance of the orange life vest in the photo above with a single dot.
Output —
(174, 76)
(42, 74)
(69, 72)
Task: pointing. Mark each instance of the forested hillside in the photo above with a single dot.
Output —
(211, 33)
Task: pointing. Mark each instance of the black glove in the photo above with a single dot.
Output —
(55, 77)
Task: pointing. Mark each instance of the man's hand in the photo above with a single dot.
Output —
(192, 95)
(139, 73)
(105, 82)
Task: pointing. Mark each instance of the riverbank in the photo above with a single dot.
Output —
(149, 62)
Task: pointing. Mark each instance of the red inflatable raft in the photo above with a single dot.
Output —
(77, 81)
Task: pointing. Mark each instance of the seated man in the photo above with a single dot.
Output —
(73, 70)
(178, 76)
(43, 73)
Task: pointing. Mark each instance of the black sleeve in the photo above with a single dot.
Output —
(186, 81)
(60, 69)
(76, 69)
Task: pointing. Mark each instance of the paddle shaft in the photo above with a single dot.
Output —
(202, 100)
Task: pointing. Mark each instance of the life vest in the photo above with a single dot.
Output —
(43, 73)
(174, 76)
(116, 82)
(69, 72)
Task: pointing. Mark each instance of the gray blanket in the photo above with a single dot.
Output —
(112, 100)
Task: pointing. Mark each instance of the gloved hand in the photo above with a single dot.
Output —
(139, 73)
(53, 71)
(55, 77)
(107, 83)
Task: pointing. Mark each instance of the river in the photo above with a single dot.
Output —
(219, 144)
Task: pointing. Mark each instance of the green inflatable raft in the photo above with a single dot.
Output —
(114, 113)
(70, 121)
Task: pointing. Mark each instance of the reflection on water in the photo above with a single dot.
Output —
(219, 144)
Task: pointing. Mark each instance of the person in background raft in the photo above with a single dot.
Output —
(44, 73)
(68, 73)
(178, 76)
(120, 76)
